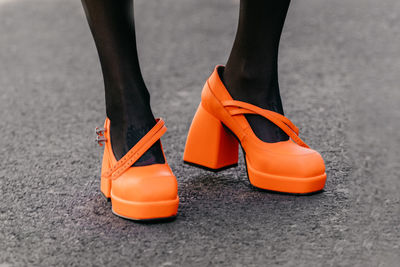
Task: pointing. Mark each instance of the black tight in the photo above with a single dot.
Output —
(250, 74)
(127, 98)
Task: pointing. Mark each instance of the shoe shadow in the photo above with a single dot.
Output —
(229, 191)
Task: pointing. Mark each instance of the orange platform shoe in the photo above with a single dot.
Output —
(138, 193)
(220, 125)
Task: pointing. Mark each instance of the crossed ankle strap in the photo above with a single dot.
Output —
(240, 108)
(136, 151)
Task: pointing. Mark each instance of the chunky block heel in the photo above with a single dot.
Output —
(209, 145)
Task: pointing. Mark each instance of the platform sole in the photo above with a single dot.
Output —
(279, 184)
(275, 183)
(144, 211)
(283, 184)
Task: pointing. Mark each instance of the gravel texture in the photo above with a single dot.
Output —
(339, 75)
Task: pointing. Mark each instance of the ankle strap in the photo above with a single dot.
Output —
(279, 120)
(136, 151)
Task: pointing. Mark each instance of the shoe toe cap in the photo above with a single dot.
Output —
(296, 162)
(308, 166)
(146, 184)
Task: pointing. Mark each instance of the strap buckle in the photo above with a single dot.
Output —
(100, 131)
(100, 139)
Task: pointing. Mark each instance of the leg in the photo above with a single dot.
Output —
(251, 73)
(127, 98)
(251, 76)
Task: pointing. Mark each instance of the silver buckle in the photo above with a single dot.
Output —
(100, 131)
(100, 139)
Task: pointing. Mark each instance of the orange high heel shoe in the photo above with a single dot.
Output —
(220, 125)
(138, 193)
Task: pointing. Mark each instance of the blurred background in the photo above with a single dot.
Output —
(339, 75)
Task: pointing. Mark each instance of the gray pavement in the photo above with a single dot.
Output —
(339, 74)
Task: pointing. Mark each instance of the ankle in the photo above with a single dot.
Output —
(130, 112)
(129, 122)
(247, 75)
(260, 90)
(127, 101)
(254, 87)
(125, 136)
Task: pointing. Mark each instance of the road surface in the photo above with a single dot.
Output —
(339, 75)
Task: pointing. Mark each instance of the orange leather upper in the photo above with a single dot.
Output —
(142, 183)
(118, 168)
(292, 158)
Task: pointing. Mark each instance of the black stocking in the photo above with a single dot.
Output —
(251, 73)
(127, 98)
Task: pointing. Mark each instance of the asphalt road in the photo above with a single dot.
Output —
(339, 74)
